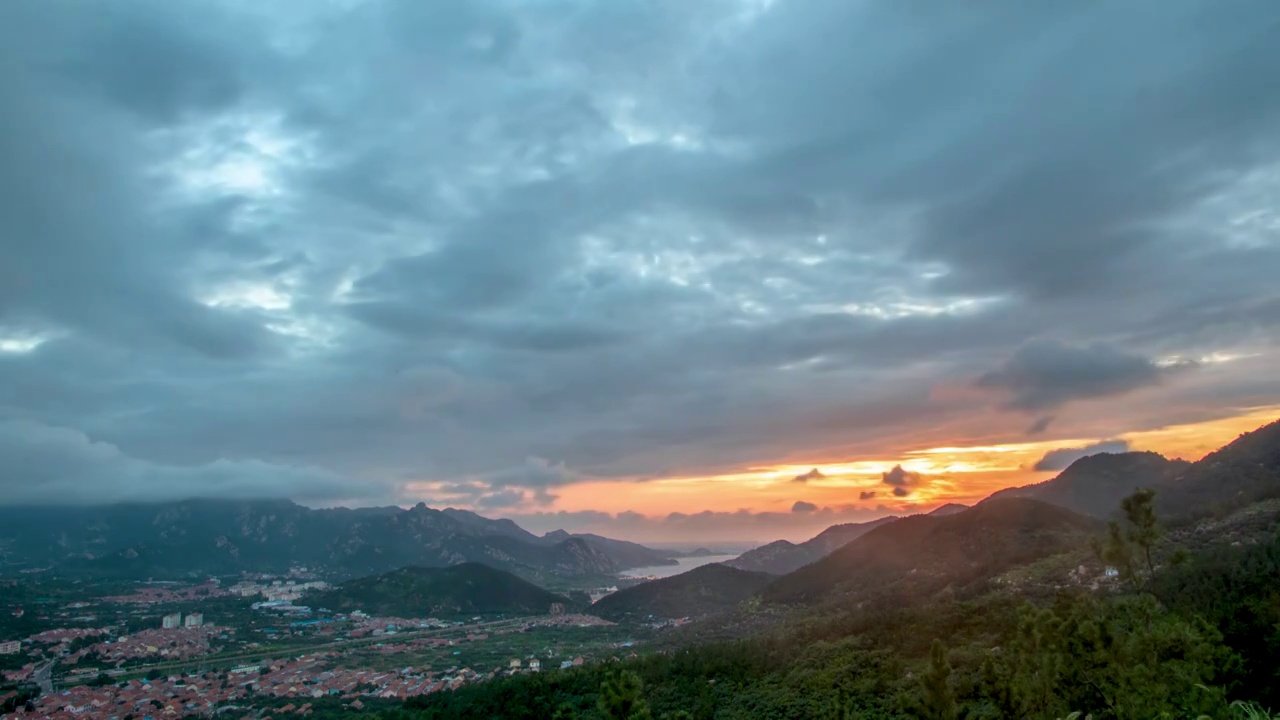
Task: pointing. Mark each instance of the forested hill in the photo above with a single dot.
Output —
(924, 552)
(782, 557)
(1190, 633)
(1244, 471)
(469, 588)
(701, 591)
(1095, 484)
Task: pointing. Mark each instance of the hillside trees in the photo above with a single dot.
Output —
(1129, 541)
(622, 697)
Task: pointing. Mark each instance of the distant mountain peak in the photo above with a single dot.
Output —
(1094, 485)
(781, 557)
(923, 553)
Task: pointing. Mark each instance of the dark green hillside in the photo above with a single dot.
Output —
(195, 538)
(924, 553)
(701, 591)
(781, 557)
(1094, 485)
(1245, 471)
(412, 592)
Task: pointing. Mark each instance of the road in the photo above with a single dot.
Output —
(43, 676)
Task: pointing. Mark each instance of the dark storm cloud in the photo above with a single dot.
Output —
(503, 499)
(901, 492)
(448, 240)
(59, 465)
(1062, 458)
(801, 506)
(1040, 425)
(814, 474)
(83, 248)
(866, 494)
(1048, 374)
(535, 472)
(898, 477)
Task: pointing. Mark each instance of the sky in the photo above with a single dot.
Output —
(660, 269)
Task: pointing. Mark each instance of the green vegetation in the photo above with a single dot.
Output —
(1198, 638)
(193, 539)
(702, 591)
(782, 557)
(917, 555)
(416, 592)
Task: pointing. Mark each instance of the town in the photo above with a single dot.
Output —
(200, 649)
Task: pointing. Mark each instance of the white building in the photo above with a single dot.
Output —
(10, 647)
(194, 620)
(172, 621)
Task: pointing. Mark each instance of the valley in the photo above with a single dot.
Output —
(88, 640)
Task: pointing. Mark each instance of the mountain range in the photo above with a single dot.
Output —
(955, 545)
(206, 536)
(920, 553)
(781, 557)
(1096, 484)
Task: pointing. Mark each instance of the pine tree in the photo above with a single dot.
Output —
(1139, 511)
(621, 697)
(939, 700)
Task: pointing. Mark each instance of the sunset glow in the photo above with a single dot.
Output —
(949, 474)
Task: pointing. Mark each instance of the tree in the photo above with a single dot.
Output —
(1125, 657)
(939, 699)
(1116, 552)
(1138, 535)
(621, 697)
(1140, 513)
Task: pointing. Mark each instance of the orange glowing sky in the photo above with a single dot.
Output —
(958, 474)
(962, 474)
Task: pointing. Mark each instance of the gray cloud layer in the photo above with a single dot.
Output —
(518, 245)
(1045, 375)
(1062, 458)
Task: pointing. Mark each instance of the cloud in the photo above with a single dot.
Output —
(534, 472)
(903, 481)
(801, 506)
(741, 526)
(900, 477)
(485, 497)
(54, 465)
(1061, 458)
(1048, 374)
(814, 474)
(275, 246)
(866, 494)
(504, 499)
(1040, 425)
